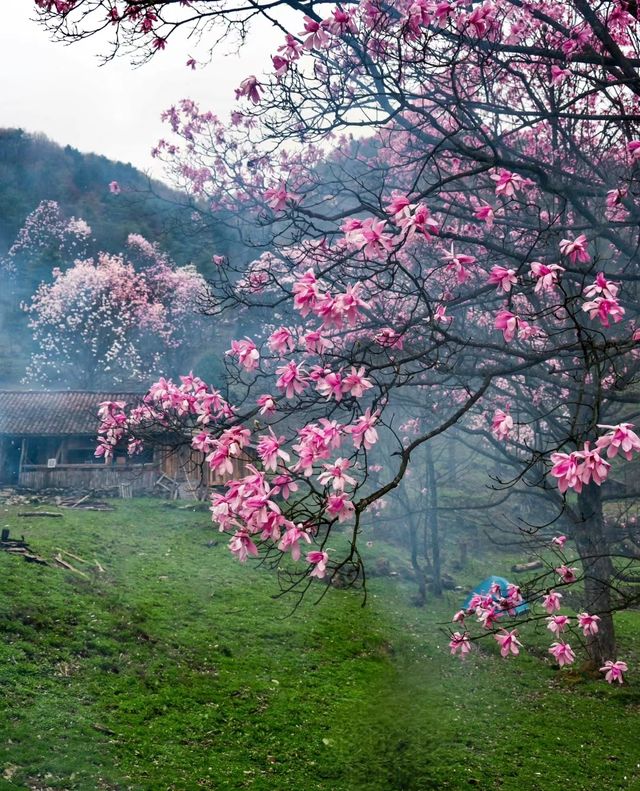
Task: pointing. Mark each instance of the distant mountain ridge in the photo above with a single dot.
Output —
(33, 169)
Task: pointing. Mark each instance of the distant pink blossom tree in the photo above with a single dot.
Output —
(103, 321)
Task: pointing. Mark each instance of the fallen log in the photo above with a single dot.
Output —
(31, 558)
(522, 567)
(41, 513)
(12, 542)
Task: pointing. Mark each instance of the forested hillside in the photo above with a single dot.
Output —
(33, 169)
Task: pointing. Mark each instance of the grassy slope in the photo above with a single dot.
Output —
(177, 670)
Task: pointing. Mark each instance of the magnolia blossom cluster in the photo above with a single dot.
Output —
(253, 508)
(578, 468)
(490, 610)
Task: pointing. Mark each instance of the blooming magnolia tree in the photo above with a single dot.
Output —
(111, 319)
(450, 189)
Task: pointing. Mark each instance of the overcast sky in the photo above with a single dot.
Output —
(113, 109)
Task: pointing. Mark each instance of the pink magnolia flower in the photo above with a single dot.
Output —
(508, 642)
(342, 22)
(316, 343)
(479, 21)
(114, 188)
(291, 540)
(398, 207)
(613, 671)
(459, 616)
(249, 88)
(284, 484)
(355, 383)
(604, 309)
(567, 470)
(388, 338)
(575, 249)
(566, 573)
(246, 353)
(267, 404)
(339, 505)
(546, 275)
(292, 379)
(363, 431)
(242, 546)
(563, 653)
(460, 642)
(440, 315)
(601, 287)
(458, 263)
(593, 467)
(485, 214)
(507, 183)
(418, 221)
(559, 541)
(280, 65)
(350, 303)
(371, 237)
(319, 559)
(501, 425)
(316, 33)
(557, 624)
(281, 341)
(203, 442)
(278, 198)
(619, 438)
(588, 623)
(270, 450)
(558, 74)
(507, 322)
(336, 475)
(503, 278)
(292, 48)
(551, 602)
(306, 292)
(634, 149)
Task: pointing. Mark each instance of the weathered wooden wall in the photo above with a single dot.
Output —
(189, 466)
(90, 476)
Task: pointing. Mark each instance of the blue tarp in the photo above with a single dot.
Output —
(485, 586)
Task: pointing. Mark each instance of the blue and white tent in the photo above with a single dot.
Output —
(484, 587)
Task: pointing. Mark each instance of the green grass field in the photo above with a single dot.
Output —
(178, 669)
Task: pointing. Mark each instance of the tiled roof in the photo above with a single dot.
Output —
(35, 413)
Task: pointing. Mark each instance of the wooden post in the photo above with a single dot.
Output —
(23, 453)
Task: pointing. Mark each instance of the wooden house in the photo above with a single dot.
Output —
(48, 440)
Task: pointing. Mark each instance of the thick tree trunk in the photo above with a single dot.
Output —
(432, 517)
(452, 460)
(593, 550)
(421, 580)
